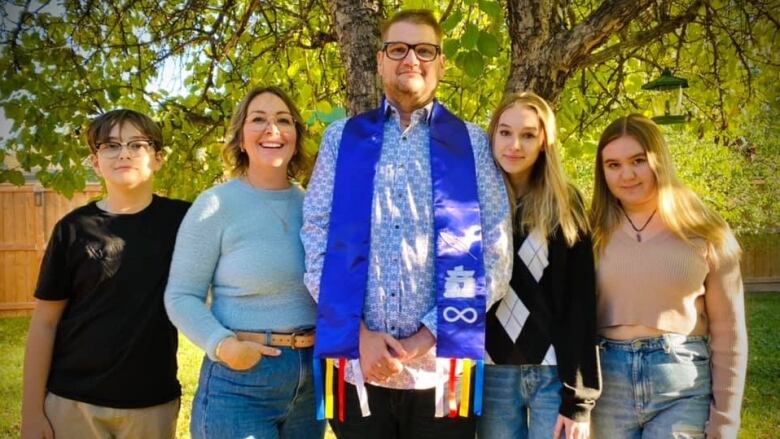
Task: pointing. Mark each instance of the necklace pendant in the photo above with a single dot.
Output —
(638, 237)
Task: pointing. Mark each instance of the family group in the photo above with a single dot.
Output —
(431, 281)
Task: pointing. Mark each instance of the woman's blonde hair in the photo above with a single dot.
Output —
(236, 159)
(680, 208)
(551, 202)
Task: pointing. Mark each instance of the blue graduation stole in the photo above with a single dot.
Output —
(459, 266)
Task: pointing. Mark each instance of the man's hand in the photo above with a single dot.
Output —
(380, 355)
(242, 355)
(418, 344)
(36, 426)
(571, 429)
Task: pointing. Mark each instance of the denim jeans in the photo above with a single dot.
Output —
(273, 399)
(519, 402)
(657, 387)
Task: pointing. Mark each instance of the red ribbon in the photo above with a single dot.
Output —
(451, 397)
(342, 368)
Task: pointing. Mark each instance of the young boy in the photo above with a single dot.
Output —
(101, 353)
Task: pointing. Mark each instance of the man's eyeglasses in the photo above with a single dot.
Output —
(111, 150)
(397, 50)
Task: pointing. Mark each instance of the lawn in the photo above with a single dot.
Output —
(760, 414)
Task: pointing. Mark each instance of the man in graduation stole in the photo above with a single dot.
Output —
(406, 232)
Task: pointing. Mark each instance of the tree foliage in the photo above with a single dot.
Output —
(188, 63)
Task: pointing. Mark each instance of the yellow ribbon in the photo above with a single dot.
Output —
(465, 388)
(329, 388)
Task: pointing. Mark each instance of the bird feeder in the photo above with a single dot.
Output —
(669, 85)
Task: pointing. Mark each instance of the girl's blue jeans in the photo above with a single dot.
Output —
(519, 402)
(274, 399)
(657, 387)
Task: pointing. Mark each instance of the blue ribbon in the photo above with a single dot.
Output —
(479, 379)
(345, 269)
(319, 395)
(458, 230)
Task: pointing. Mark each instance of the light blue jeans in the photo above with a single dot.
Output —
(519, 402)
(274, 399)
(657, 387)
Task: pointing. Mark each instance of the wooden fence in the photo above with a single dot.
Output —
(29, 213)
(761, 261)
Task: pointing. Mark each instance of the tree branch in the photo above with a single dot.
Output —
(573, 47)
(643, 38)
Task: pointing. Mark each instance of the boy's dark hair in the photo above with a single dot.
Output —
(99, 129)
(415, 16)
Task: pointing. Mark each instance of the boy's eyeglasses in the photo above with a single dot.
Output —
(397, 50)
(111, 150)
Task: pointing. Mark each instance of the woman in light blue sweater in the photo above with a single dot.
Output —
(240, 241)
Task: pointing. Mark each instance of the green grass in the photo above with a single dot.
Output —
(761, 406)
(760, 414)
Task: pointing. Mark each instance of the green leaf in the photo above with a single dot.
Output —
(488, 44)
(452, 21)
(114, 93)
(451, 48)
(470, 36)
(12, 176)
(324, 107)
(491, 8)
(474, 64)
(293, 69)
(460, 60)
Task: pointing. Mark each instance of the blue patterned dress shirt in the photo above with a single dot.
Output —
(400, 295)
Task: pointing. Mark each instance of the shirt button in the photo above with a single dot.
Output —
(392, 294)
(403, 137)
(392, 328)
(397, 227)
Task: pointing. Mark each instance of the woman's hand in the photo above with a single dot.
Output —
(571, 429)
(242, 355)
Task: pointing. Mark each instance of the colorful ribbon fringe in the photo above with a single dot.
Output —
(453, 403)
(456, 405)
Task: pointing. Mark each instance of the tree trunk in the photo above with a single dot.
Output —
(356, 24)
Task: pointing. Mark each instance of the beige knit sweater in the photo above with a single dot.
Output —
(668, 284)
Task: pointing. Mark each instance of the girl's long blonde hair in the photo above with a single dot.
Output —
(681, 210)
(552, 202)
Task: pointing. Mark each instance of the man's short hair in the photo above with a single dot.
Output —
(99, 129)
(415, 16)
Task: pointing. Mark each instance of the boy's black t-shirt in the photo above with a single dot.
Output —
(115, 346)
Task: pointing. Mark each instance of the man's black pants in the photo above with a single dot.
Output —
(397, 414)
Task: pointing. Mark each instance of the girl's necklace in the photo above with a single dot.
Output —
(640, 229)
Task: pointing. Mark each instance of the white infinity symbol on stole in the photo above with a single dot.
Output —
(452, 314)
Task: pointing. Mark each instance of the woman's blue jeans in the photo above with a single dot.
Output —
(519, 402)
(274, 399)
(657, 387)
